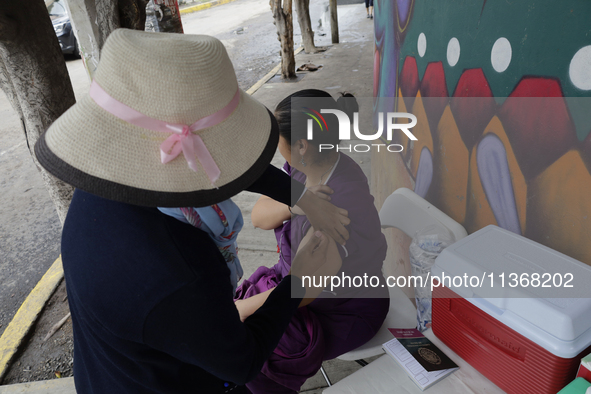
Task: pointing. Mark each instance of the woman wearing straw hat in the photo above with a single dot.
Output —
(151, 298)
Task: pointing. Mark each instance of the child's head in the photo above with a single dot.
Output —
(293, 114)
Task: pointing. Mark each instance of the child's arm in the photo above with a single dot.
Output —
(322, 214)
(269, 214)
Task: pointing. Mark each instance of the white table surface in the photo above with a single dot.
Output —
(385, 376)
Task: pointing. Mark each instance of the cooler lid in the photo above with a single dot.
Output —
(537, 291)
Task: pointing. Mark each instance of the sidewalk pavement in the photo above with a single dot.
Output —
(347, 66)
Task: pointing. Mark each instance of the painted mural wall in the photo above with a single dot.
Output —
(502, 93)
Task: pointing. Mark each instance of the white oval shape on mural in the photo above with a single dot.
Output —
(580, 68)
(501, 53)
(453, 51)
(422, 44)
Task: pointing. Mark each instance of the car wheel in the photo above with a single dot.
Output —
(76, 53)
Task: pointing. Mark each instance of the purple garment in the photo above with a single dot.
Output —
(329, 326)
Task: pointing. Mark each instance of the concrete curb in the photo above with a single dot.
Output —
(269, 75)
(27, 314)
(204, 6)
(61, 386)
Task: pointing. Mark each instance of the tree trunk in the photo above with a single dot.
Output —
(92, 22)
(284, 22)
(132, 14)
(107, 18)
(303, 9)
(334, 22)
(35, 79)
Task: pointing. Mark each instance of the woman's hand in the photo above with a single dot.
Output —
(324, 216)
(315, 257)
(318, 257)
(321, 191)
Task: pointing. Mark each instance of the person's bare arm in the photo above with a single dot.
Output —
(331, 267)
(268, 214)
(301, 267)
(248, 306)
(325, 217)
(321, 191)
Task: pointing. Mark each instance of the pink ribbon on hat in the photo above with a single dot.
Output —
(182, 138)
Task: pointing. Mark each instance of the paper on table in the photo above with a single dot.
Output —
(422, 349)
(421, 377)
(386, 376)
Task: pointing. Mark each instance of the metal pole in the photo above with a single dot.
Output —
(334, 21)
(325, 376)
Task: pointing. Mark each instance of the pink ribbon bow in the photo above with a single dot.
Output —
(182, 139)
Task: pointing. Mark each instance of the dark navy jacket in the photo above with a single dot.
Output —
(152, 305)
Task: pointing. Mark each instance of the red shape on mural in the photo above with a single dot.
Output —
(538, 124)
(434, 86)
(433, 83)
(473, 105)
(409, 81)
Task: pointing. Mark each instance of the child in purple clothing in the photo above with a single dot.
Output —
(345, 317)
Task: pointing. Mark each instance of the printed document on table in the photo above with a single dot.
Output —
(421, 377)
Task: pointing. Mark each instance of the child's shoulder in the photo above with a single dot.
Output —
(348, 170)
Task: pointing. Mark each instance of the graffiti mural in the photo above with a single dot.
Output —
(502, 94)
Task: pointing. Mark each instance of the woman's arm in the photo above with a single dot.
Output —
(278, 185)
(248, 306)
(269, 214)
(322, 214)
(188, 326)
(331, 266)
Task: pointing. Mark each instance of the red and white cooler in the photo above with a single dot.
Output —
(517, 311)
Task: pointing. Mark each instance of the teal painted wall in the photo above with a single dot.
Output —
(503, 89)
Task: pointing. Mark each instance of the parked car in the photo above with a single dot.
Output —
(62, 26)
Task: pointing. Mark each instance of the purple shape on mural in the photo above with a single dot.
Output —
(403, 9)
(495, 176)
(424, 173)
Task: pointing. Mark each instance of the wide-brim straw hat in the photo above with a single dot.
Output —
(169, 78)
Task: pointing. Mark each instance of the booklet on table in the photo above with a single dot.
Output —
(424, 362)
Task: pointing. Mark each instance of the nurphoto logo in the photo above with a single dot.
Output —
(345, 129)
